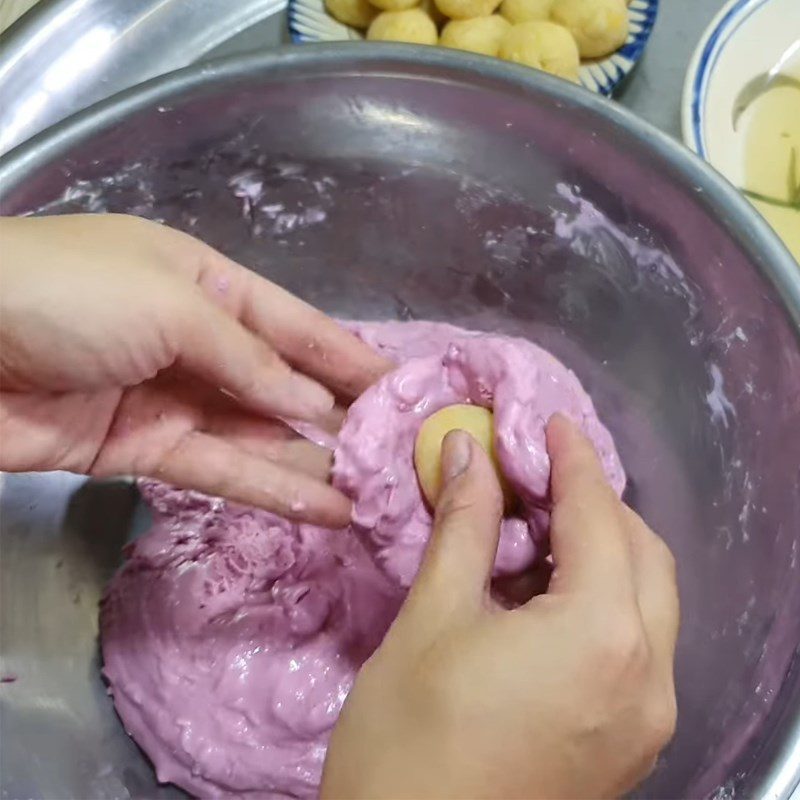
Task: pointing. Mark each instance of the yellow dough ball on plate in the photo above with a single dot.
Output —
(413, 26)
(475, 420)
(357, 13)
(599, 26)
(478, 35)
(525, 10)
(467, 9)
(431, 9)
(543, 45)
(394, 5)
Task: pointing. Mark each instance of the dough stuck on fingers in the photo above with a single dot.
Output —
(544, 45)
(599, 26)
(525, 10)
(476, 421)
(357, 13)
(467, 9)
(412, 26)
(479, 35)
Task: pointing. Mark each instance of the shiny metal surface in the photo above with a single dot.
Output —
(65, 55)
(138, 40)
(446, 186)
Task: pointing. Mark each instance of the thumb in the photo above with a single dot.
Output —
(458, 561)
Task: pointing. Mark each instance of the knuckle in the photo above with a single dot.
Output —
(660, 717)
(664, 556)
(270, 358)
(621, 646)
(458, 501)
(455, 504)
(466, 496)
(247, 385)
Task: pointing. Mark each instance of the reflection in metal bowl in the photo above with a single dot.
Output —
(400, 183)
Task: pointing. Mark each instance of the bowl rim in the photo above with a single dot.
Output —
(746, 227)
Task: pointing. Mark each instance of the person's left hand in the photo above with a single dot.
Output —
(127, 347)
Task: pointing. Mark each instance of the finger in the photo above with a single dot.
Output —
(310, 340)
(259, 438)
(208, 464)
(458, 561)
(587, 535)
(656, 589)
(324, 429)
(332, 422)
(224, 417)
(273, 439)
(219, 349)
(300, 455)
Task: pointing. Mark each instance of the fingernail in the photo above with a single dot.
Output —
(311, 398)
(456, 454)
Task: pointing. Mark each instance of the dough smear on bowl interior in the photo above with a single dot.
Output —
(231, 637)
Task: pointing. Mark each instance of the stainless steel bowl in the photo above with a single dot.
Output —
(401, 182)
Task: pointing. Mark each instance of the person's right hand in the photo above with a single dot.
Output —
(571, 695)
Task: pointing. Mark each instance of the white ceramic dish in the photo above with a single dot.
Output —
(746, 39)
(309, 22)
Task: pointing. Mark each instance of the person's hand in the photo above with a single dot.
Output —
(127, 347)
(569, 695)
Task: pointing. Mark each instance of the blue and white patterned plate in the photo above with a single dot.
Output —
(309, 22)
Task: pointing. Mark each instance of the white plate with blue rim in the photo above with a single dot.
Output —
(741, 106)
(310, 22)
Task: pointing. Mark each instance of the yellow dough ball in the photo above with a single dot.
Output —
(543, 45)
(525, 10)
(394, 5)
(475, 420)
(430, 8)
(516, 46)
(599, 26)
(467, 9)
(357, 13)
(478, 35)
(413, 26)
